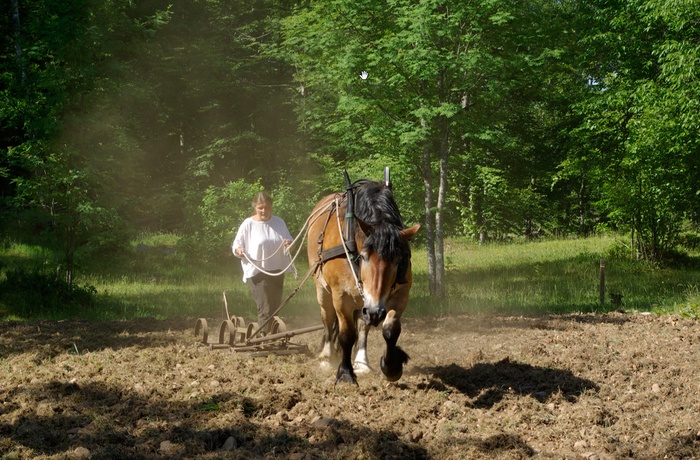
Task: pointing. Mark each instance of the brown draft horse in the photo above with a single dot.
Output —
(370, 273)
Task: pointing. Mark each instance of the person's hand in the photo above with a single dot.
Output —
(287, 243)
(239, 251)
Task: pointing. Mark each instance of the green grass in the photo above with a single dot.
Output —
(549, 276)
(147, 284)
(194, 297)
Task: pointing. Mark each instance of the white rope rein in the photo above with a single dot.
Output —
(347, 252)
(302, 234)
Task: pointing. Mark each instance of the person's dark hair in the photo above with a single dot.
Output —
(261, 197)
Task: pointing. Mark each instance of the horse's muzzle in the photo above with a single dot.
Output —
(374, 315)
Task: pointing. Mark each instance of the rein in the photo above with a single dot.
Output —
(291, 294)
(348, 246)
(302, 234)
(354, 267)
(347, 249)
(336, 251)
(311, 219)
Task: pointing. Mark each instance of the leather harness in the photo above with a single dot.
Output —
(339, 250)
(350, 233)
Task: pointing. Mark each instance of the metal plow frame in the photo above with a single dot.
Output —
(247, 339)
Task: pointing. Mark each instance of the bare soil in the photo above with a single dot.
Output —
(562, 387)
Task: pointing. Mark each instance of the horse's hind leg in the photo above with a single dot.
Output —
(330, 331)
(361, 364)
(347, 335)
(394, 359)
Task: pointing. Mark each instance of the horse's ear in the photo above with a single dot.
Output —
(364, 226)
(408, 233)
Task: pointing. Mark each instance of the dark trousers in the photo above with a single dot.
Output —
(267, 294)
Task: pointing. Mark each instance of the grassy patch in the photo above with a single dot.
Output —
(557, 276)
(550, 276)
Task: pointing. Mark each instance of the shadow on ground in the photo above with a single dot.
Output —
(50, 338)
(113, 422)
(488, 383)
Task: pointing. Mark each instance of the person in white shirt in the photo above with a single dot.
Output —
(260, 244)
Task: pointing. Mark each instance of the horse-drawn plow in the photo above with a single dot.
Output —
(248, 339)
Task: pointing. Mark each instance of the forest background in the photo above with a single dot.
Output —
(499, 120)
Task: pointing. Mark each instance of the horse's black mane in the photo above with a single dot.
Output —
(375, 205)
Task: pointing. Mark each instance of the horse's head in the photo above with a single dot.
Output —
(384, 262)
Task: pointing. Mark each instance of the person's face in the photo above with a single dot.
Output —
(263, 211)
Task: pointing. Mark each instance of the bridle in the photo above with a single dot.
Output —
(348, 247)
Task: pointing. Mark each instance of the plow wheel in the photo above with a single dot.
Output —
(202, 327)
(227, 333)
(277, 325)
(241, 329)
(252, 327)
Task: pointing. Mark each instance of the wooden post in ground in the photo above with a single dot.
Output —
(602, 283)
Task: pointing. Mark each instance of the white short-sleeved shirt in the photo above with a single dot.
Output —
(260, 240)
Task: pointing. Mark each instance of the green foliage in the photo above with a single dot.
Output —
(130, 112)
(221, 211)
(35, 293)
(466, 92)
(420, 59)
(690, 240)
(59, 65)
(640, 121)
(293, 205)
(689, 310)
(542, 117)
(60, 205)
(224, 208)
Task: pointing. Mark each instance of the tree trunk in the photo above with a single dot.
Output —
(483, 233)
(582, 208)
(70, 254)
(429, 235)
(475, 206)
(439, 227)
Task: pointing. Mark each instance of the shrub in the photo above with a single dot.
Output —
(33, 293)
(690, 240)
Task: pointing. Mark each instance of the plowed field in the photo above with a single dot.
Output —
(581, 386)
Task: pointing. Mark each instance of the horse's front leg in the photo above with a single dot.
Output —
(361, 364)
(394, 359)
